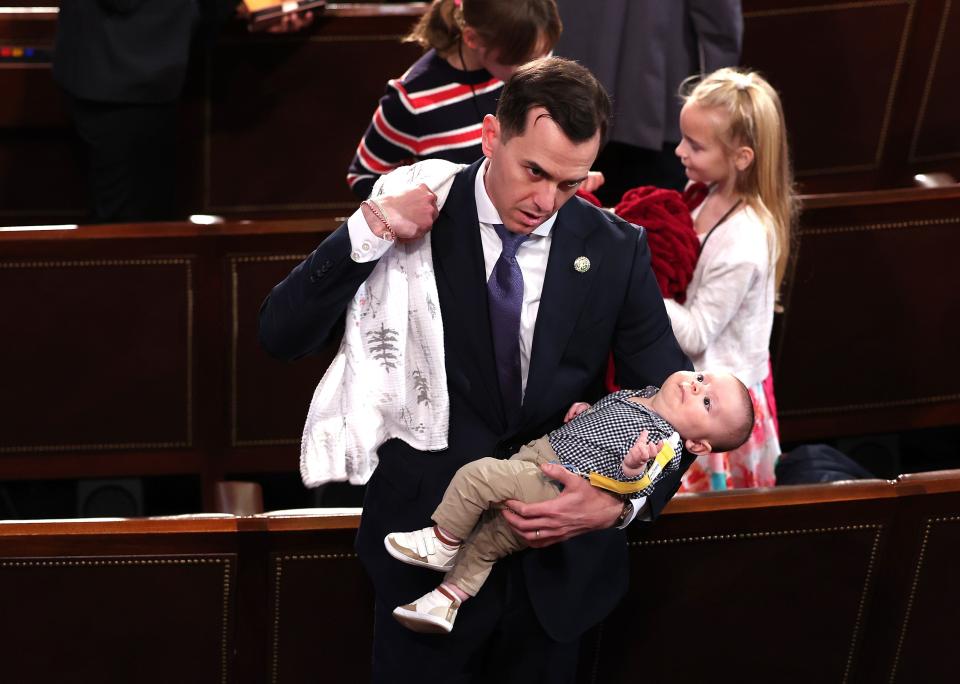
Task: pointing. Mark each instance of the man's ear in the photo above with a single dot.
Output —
(743, 158)
(489, 135)
(697, 446)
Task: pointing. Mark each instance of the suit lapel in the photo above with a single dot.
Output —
(461, 282)
(565, 293)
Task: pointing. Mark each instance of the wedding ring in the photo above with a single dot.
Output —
(538, 534)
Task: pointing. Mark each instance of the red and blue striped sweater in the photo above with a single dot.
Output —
(433, 111)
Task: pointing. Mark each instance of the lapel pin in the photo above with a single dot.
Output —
(581, 264)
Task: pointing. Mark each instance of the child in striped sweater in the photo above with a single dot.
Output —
(435, 110)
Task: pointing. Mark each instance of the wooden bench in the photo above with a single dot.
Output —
(847, 582)
(869, 333)
(132, 350)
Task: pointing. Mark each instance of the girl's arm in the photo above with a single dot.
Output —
(698, 322)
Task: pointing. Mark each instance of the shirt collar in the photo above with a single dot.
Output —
(487, 213)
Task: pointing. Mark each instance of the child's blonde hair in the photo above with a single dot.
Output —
(755, 120)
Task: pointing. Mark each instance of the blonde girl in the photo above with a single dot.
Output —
(435, 110)
(735, 143)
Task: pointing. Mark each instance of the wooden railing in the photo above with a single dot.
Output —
(848, 582)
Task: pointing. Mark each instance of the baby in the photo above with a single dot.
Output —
(699, 411)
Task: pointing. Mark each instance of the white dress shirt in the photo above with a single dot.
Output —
(532, 257)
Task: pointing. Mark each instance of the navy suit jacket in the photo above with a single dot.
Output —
(615, 304)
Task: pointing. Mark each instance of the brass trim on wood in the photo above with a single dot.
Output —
(889, 225)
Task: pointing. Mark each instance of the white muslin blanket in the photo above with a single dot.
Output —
(388, 378)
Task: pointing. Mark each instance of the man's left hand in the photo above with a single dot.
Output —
(291, 22)
(580, 508)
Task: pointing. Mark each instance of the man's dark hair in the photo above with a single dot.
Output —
(572, 96)
(741, 430)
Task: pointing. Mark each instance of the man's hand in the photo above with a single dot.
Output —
(580, 508)
(411, 213)
(575, 410)
(593, 181)
(292, 22)
(635, 462)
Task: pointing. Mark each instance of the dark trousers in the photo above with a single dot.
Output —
(496, 638)
(626, 167)
(131, 151)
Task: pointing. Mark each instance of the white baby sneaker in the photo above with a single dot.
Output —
(422, 548)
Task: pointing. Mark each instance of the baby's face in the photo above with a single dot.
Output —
(701, 405)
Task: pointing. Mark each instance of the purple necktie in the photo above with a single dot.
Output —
(505, 295)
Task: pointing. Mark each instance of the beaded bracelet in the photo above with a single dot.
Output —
(381, 216)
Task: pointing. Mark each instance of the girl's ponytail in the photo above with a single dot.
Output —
(439, 27)
(756, 120)
(516, 30)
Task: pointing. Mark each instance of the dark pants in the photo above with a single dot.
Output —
(626, 167)
(496, 638)
(131, 151)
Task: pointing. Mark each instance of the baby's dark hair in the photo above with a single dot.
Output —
(740, 432)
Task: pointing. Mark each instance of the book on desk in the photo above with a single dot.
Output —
(263, 13)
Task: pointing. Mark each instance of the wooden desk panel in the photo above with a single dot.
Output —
(869, 316)
(806, 53)
(269, 398)
(123, 618)
(98, 354)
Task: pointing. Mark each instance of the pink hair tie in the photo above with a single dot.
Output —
(458, 3)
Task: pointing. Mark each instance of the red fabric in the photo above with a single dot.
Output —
(694, 194)
(771, 399)
(590, 197)
(674, 246)
(611, 376)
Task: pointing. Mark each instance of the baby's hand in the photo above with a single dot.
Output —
(635, 462)
(575, 410)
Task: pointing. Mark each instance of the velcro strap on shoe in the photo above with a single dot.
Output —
(453, 599)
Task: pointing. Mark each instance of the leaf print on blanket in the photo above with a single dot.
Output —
(411, 422)
(422, 386)
(382, 345)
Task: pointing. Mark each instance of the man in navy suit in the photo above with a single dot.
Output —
(587, 289)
